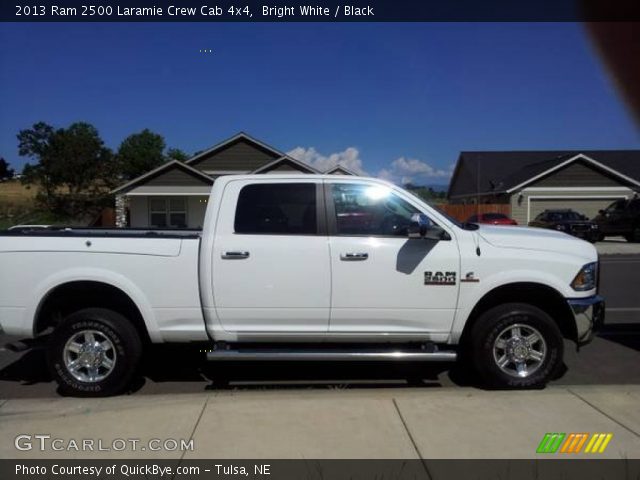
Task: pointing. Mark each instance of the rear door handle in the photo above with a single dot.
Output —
(235, 255)
(350, 257)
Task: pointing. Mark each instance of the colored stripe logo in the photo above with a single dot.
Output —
(574, 442)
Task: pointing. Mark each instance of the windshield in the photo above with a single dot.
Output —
(563, 216)
(457, 223)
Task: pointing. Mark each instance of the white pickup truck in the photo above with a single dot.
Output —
(302, 267)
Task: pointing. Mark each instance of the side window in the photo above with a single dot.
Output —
(157, 212)
(277, 208)
(168, 212)
(370, 210)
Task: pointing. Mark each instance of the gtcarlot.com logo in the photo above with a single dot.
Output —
(574, 442)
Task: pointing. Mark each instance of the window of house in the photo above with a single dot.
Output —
(168, 212)
(370, 210)
(277, 208)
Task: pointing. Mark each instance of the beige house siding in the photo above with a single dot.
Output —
(175, 177)
(578, 174)
(285, 167)
(139, 212)
(240, 156)
(196, 209)
(528, 203)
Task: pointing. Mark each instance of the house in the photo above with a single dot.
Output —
(175, 194)
(532, 181)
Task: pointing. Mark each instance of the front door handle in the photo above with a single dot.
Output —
(350, 257)
(235, 255)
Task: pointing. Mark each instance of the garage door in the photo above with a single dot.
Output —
(585, 206)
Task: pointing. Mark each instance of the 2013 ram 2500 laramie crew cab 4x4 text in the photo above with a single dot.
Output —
(304, 268)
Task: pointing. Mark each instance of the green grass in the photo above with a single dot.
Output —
(18, 207)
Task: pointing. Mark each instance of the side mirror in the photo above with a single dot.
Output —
(601, 212)
(420, 223)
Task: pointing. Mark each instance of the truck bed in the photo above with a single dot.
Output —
(102, 232)
(157, 269)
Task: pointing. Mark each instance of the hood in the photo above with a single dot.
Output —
(536, 239)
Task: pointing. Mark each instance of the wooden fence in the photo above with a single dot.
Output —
(463, 212)
(106, 218)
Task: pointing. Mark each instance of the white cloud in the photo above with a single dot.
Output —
(402, 170)
(411, 170)
(349, 158)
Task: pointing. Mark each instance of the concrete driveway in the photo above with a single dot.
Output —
(383, 423)
(617, 246)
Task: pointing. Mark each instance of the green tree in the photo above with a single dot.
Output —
(5, 171)
(177, 154)
(426, 193)
(34, 143)
(73, 167)
(139, 153)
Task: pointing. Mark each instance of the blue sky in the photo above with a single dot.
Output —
(396, 100)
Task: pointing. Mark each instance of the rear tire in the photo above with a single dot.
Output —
(94, 352)
(634, 236)
(516, 345)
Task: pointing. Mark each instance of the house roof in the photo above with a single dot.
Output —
(340, 169)
(482, 173)
(159, 171)
(284, 160)
(241, 136)
(268, 160)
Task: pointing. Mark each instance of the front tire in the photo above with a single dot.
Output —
(94, 352)
(634, 236)
(516, 345)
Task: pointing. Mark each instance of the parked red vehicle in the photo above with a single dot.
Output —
(492, 219)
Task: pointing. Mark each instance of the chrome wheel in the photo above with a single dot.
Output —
(519, 350)
(89, 356)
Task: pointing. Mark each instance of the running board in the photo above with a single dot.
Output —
(329, 355)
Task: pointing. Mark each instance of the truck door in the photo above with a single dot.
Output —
(271, 257)
(384, 282)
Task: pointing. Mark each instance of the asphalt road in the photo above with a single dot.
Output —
(612, 358)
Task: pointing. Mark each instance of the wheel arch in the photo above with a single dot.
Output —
(539, 295)
(73, 295)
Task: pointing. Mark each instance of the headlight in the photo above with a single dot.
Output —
(587, 278)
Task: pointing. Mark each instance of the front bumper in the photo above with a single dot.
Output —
(589, 316)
